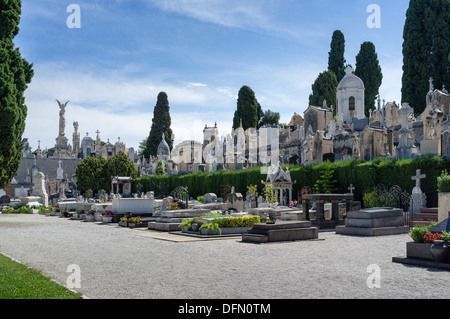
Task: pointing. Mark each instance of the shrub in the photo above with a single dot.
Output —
(443, 182)
(418, 233)
(374, 199)
(201, 198)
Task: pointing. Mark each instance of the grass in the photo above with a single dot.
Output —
(20, 282)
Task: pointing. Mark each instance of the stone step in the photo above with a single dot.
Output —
(255, 238)
(425, 217)
(163, 226)
(433, 210)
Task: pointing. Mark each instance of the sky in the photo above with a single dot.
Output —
(112, 65)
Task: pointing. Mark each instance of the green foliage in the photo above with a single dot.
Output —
(425, 50)
(212, 227)
(418, 232)
(95, 173)
(231, 222)
(269, 118)
(15, 75)
(369, 70)
(160, 125)
(336, 60)
(324, 88)
(326, 183)
(160, 167)
(91, 174)
(443, 182)
(374, 199)
(20, 282)
(248, 109)
(363, 175)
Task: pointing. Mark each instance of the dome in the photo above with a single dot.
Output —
(163, 147)
(350, 81)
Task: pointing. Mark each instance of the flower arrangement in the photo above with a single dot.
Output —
(418, 233)
(107, 213)
(271, 194)
(293, 204)
(430, 237)
(253, 191)
(90, 212)
(123, 220)
(173, 206)
(135, 220)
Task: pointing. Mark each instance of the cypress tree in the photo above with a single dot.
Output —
(336, 60)
(425, 50)
(15, 74)
(160, 124)
(369, 71)
(324, 88)
(248, 109)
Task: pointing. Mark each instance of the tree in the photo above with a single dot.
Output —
(160, 124)
(248, 110)
(326, 183)
(269, 118)
(369, 71)
(426, 44)
(15, 75)
(120, 165)
(336, 60)
(324, 88)
(91, 174)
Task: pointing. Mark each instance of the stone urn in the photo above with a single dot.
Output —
(439, 251)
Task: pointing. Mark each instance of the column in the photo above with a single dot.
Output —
(305, 204)
(334, 209)
(320, 209)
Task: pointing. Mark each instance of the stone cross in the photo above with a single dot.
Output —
(418, 178)
(351, 188)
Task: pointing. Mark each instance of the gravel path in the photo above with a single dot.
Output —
(118, 262)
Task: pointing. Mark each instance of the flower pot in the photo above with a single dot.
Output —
(195, 226)
(107, 219)
(184, 229)
(204, 231)
(439, 251)
(98, 217)
(90, 218)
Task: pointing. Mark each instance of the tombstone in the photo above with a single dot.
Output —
(418, 199)
(89, 194)
(260, 200)
(101, 195)
(236, 201)
(210, 198)
(39, 188)
(59, 171)
(167, 201)
(351, 188)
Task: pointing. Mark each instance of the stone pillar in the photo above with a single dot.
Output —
(320, 209)
(305, 205)
(335, 210)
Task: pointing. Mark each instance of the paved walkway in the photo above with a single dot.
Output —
(118, 262)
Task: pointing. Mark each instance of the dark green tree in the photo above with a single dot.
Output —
(324, 88)
(248, 109)
(269, 118)
(326, 183)
(160, 124)
(426, 44)
(120, 165)
(91, 174)
(336, 60)
(15, 75)
(369, 70)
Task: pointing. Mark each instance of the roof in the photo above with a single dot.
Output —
(350, 81)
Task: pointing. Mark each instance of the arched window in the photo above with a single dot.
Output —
(351, 103)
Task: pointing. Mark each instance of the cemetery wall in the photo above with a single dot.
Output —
(363, 175)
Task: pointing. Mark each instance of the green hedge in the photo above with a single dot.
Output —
(365, 176)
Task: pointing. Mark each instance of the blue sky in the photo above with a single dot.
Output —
(200, 52)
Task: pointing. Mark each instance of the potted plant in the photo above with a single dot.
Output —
(443, 185)
(210, 229)
(73, 211)
(107, 216)
(186, 224)
(123, 221)
(420, 247)
(134, 221)
(90, 215)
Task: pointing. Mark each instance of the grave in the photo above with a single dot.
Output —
(131, 207)
(421, 254)
(374, 222)
(170, 220)
(281, 231)
(418, 198)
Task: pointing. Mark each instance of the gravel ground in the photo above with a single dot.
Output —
(118, 262)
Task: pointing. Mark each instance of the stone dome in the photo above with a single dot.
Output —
(350, 81)
(163, 147)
